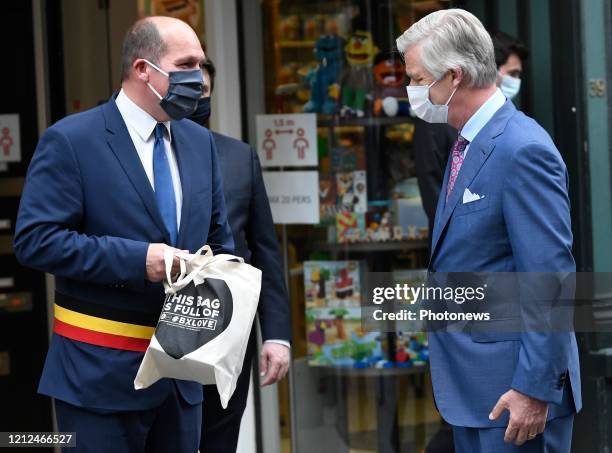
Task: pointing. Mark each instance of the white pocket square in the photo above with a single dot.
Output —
(468, 196)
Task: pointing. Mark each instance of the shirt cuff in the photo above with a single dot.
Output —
(283, 342)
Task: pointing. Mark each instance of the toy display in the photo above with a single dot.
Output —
(332, 284)
(347, 158)
(312, 26)
(390, 96)
(384, 221)
(378, 221)
(340, 168)
(351, 188)
(330, 54)
(411, 349)
(349, 227)
(289, 27)
(357, 80)
(327, 200)
(335, 338)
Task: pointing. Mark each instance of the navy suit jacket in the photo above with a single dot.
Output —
(521, 224)
(87, 215)
(251, 221)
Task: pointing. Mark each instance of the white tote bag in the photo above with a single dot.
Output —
(206, 319)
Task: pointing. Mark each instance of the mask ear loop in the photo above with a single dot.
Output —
(159, 70)
(155, 91)
(451, 96)
(157, 67)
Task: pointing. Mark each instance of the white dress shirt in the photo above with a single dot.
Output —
(482, 116)
(141, 127)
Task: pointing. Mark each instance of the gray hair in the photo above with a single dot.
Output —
(142, 40)
(451, 39)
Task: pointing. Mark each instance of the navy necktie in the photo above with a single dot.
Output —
(164, 190)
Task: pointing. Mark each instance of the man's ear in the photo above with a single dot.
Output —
(140, 68)
(457, 76)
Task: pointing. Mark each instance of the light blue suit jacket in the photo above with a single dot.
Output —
(522, 224)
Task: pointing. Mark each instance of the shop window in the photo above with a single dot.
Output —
(354, 389)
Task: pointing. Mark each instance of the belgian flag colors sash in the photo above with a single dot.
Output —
(102, 325)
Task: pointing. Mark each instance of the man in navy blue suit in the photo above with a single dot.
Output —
(107, 191)
(251, 221)
(503, 207)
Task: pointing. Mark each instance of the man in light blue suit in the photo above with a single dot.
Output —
(503, 207)
(107, 192)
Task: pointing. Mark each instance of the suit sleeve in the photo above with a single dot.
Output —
(273, 310)
(220, 236)
(537, 215)
(47, 233)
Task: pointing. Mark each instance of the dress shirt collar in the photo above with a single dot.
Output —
(482, 116)
(139, 120)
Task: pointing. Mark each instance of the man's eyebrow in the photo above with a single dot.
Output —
(189, 59)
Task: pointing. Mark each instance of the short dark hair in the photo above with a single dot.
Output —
(142, 40)
(212, 72)
(505, 45)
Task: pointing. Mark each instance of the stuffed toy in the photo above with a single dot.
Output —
(357, 81)
(390, 96)
(329, 51)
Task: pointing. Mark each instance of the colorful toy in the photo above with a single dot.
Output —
(349, 226)
(332, 284)
(329, 51)
(357, 80)
(327, 200)
(352, 191)
(289, 27)
(335, 337)
(344, 284)
(390, 96)
(378, 221)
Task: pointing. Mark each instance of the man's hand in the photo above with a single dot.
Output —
(156, 266)
(273, 362)
(527, 416)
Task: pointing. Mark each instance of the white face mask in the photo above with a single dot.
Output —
(424, 108)
(510, 86)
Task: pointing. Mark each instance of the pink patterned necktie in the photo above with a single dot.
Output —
(457, 156)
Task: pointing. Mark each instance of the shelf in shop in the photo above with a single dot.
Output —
(336, 121)
(296, 44)
(356, 247)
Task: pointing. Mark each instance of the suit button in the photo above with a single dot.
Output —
(562, 379)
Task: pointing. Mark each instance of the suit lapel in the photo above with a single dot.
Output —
(478, 153)
(182, 151)
(475, 158)
(441, 204)
(120, 142)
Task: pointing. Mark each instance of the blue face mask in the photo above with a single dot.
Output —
(510, 86)
(202, 112)
(184, 92)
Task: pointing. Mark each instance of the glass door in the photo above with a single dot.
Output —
(352, 389)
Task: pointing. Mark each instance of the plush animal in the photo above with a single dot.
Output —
(357, 80)
(390, 97)
(329, 50)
